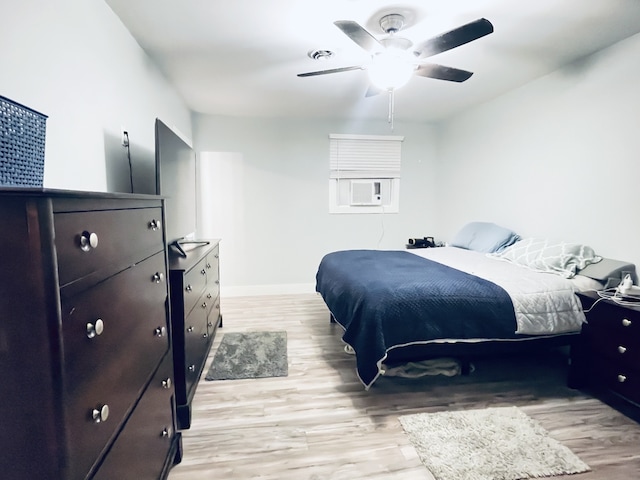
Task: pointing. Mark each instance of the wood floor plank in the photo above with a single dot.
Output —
(319, 423)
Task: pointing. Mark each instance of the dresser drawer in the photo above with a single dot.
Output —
(148, 434)
(196, 344)
(113, 336)
(105, 241)
(615, 322)
(208, 299)
(619, 377)
(195, 281)
(213, 267)
(195, 358)
(623, 349)
(213, 318)
(196, 323)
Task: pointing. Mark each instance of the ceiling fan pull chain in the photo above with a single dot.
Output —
(391, 107)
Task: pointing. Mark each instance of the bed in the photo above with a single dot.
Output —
(476, 296)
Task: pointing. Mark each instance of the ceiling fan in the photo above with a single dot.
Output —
(394, 59)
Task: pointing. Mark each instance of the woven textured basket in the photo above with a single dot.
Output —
(22, 136)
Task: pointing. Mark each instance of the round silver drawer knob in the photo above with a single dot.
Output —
(166, 384)
(203, 271)
(88, 240)
(622, 378)
(626, 322)
(622, 349)
(95, 329)
(166, 432)
(204, 305)
(157, 277)
(160, 331)
(155, 224)
(189, 288)
(100, 413)
(192, 368)
(209, 295)
(190, 328)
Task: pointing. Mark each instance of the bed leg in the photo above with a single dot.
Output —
(577, 377)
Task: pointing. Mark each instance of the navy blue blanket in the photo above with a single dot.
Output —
(385, 299)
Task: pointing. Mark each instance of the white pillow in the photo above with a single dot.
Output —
(542, 255)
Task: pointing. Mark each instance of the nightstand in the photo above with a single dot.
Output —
(606, 356)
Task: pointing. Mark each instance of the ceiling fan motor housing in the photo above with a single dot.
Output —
(392, 23)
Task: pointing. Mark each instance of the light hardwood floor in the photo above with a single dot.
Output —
(319, 423)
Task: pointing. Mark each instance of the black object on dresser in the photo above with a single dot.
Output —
(606, 356)
(85, 354)
(194, 282)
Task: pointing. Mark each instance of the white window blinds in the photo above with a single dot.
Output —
(365, 156)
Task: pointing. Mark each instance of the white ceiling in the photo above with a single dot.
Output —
(241, 57)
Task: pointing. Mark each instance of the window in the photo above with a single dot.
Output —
(364, 173)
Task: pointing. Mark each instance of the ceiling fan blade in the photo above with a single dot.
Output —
(332, 70)
(441, 72)
(454, 38)
(358, 34)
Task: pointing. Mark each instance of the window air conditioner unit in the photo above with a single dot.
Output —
(365, 192)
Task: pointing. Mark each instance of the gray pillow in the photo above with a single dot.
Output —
(484, 237)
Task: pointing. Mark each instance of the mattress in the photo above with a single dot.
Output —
(544, 303)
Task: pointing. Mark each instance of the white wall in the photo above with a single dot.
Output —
(556, 158)
(559, 157)
(74, 61)
(266, 195)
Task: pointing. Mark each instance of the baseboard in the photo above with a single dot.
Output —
(253, 290)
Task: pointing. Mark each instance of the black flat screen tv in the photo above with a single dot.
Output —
(176, 181)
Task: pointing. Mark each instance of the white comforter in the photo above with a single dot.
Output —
(544, 303)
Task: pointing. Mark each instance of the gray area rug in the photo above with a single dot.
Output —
(250, 355)
(488, 444)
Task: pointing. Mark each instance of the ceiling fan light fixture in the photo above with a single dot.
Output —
(391, 69)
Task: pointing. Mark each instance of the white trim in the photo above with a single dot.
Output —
(251, 290)
(348, 136)
(341, 174)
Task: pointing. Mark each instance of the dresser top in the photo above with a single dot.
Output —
(199, 249)
(591, 297)
(52, 192)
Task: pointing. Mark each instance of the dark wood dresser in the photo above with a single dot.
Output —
(607, 355)
(195, 315)
(85, 354)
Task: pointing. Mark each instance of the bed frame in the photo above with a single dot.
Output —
(401, 351)
(465, 352)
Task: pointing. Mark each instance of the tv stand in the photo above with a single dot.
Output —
(177, 245)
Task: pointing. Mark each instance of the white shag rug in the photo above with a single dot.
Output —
(488, 444)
